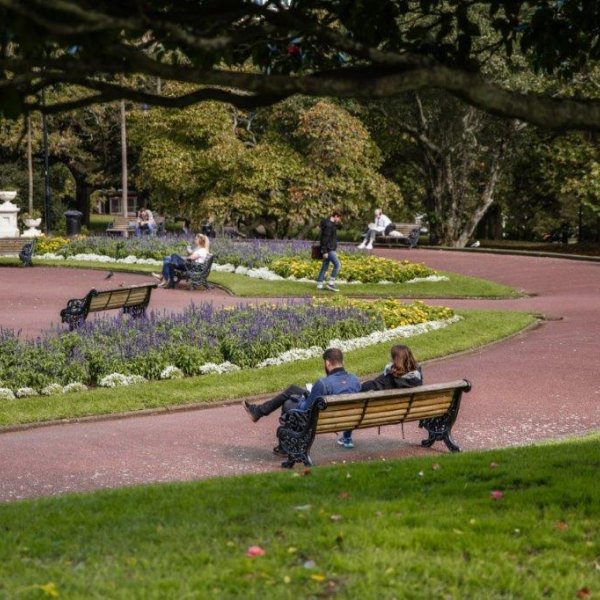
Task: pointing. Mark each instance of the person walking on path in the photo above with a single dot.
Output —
(381, 223)
(328, 242)
(402, 372)
(336, 381)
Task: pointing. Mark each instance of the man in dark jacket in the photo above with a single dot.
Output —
(328, 242)
(336, 381)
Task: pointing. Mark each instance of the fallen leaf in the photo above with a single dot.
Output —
(561, 526)
(348, 476)
(303, 507)
(420, 473)
(584, 592)
(493, 465)
(50, 589)
(336, 517)
(344, 495)
(287, 579)
(435, 467)
(292, 550)
(497, 495)
(306, 472)
(255, 551)
(458, 532)
(379, 514)
(318, 577)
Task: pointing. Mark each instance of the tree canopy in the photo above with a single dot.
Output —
(255, 53)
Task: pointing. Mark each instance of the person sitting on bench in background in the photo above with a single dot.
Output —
(145, 222)
(382, 222)
(336, 381)
(197, 254)
(402, 372)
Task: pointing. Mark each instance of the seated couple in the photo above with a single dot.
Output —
(197, 254)
(402, 372)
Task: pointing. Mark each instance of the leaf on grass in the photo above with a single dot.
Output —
(255, 551)
(317, 577)
(496, 495)
(287, 579)
(584, 592)
(50, 589)
(458, 532)
(420, 473)
(292, 550)
(493, 465)
(303, 507)
(344, 495)
(306, 472)
(435, 466)
(336, 517)
(561, 526)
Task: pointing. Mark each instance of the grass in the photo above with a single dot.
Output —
(458, 286)
(362, 530)
(475, 330)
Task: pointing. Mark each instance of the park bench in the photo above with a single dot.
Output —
(195, 273)
(133, 300)
(18, 247)
(409, 236)
(124, 226)
(434, 406)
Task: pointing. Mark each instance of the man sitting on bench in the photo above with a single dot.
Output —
(379, 226)
(336, 381)
(145, 222)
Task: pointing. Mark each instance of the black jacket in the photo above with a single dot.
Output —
(328, 240)
(386, 381)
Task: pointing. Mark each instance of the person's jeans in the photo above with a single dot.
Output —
(286, 401)
(333, 259)
(169, 264)
(147, 227)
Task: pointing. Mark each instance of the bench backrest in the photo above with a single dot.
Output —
(12, 245)
(123, 223)
(120, 298)
(406, 228)
(388, 407)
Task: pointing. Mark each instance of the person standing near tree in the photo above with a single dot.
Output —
(328, 242)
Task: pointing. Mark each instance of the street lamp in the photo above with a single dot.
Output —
(46, 168)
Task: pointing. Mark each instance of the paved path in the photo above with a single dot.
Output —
(541, 384)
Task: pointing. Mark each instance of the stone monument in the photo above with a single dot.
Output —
(8, 215)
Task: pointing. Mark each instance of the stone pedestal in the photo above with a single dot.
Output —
(8, 215)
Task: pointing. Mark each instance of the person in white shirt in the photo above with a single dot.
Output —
(377, 227)
(145, 222)
(197, 254)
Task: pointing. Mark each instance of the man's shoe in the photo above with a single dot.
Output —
(345, 442)
(157, 276)
(369, 246)
(279, 451)
(319, 286)
(361, 246)
(163, 284)
(332, 287)
(251, 410)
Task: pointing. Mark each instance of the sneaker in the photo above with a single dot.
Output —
(319, 286)
(252, 411)
(346, 442)
(279, 451)
(163, 284)
(369, 246)
(332, 287)
(361, 246)
(157, 276)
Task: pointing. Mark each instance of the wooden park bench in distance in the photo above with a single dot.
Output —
(21, 247)
(434, 406)
(125, 226)
(410, 236)
(133, 300)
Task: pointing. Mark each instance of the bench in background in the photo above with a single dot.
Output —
(133, 300)
(18, 247)
(434, 406)
(125, 226)
(410, 236)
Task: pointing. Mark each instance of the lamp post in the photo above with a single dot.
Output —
(46, 171)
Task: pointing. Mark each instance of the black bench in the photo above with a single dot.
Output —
(409, 236)
(434, 406)
(196, 273)
(18, 247)
(133, 300)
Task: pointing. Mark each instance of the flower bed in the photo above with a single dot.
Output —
(355, 267)
(202, 339)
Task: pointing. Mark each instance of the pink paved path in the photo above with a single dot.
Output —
(541, 384)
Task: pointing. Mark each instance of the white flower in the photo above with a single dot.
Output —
(76, 386)
(171, 372)
(291, 356)
(115, 379)
(6, 394)
(429, 278)
(52, 389)
(25, 391)
(51, 256)
(226, 268)
(224, 367)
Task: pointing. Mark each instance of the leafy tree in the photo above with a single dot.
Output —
(255, 53)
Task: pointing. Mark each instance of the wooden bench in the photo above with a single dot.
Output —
(21, 247)
(434, 406)
(410, 236)
(196, 273)
(133, 300)
(124, 226)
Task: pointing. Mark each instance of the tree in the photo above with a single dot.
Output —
(255, 53)
(281, 168)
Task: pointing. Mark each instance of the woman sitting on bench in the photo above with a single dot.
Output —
(197, 254)
(402, 372)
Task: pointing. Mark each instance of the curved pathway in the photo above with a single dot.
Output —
(544, 383)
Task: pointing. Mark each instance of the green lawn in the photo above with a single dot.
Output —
(475, 330)
(417, 528)
(458, 286)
